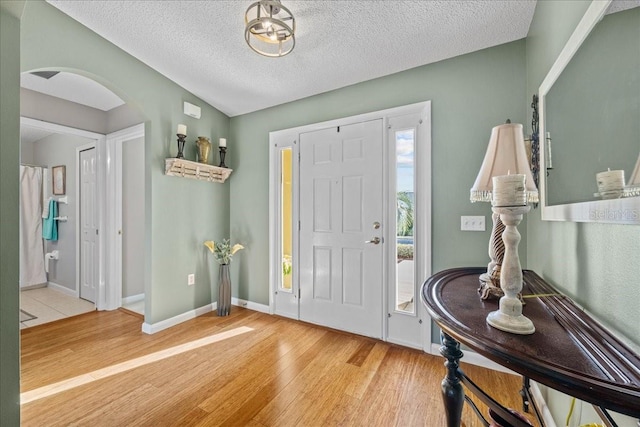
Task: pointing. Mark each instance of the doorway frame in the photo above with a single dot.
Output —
(109, 296)
(291, 137)
(97, 140)
(114, 196)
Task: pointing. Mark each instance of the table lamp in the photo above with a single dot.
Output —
(506, 154)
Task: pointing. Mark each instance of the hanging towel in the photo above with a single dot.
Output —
(49, 224)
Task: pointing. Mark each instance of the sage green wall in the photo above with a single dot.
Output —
(180, 214)
(9, 172)
(470, 94)
(596, 264)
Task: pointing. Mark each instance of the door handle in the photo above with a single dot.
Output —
(375, 240)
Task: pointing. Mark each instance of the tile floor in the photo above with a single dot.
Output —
(48, 304)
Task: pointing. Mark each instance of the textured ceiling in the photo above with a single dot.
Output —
(200, 44)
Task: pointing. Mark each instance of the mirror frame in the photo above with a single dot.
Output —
(613, 211)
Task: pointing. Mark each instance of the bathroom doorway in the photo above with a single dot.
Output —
(89, 244)
(50, 288)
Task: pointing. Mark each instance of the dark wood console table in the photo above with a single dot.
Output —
(569, 351)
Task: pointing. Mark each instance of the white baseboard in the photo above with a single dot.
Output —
(63, 289)
(545, 413)
(474, 358)
(132, 299)
(148, 328)
(250, 305)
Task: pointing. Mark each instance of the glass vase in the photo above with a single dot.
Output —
(224, 291)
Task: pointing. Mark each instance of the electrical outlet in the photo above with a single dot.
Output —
(191, 279)
(472, 223)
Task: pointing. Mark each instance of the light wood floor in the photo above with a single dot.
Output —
(277, 373)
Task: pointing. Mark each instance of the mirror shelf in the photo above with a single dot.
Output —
(620, 211)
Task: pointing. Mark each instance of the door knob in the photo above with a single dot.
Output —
(375, 240)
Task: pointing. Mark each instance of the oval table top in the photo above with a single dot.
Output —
(569, 351)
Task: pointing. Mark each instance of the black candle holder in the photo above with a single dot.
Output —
(181, 141)
(223, 153)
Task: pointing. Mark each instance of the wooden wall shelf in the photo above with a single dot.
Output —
(195, 170)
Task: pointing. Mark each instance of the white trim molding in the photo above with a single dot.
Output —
(113, 211)
(250, 305)
(289, 138)
(133, 298)
(476, 359)
(152, 328)
(63, 289)
(149, 328)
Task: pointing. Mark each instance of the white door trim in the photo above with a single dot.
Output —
(99, 143)
(420, 120)
(113, 230)
(293, 135)
(109, 295)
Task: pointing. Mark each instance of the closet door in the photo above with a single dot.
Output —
(88, 225)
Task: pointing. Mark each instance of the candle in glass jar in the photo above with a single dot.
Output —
(509, 190)
(222, 142)
(182, 130)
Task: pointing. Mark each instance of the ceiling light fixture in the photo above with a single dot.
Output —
(270, 28)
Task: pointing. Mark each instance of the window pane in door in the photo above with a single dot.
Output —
(405, 201)
(286, 220)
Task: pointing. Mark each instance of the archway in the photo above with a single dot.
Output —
(59, 102)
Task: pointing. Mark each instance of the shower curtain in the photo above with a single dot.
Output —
(31, 246)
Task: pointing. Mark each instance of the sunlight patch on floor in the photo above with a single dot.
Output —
(51, 389)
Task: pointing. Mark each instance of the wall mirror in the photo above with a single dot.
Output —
(590, 108)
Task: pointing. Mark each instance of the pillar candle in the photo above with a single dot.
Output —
(222, 142)
(509, 190)
(610, 180)
(182, 130)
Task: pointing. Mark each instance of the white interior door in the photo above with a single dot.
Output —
(341, 212)
(89, 225)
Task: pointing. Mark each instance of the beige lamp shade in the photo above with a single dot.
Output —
(505, 155)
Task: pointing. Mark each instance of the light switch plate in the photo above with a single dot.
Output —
(472, 223)
(191, 279)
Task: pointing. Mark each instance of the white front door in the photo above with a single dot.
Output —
(341, 212)
(88, 225)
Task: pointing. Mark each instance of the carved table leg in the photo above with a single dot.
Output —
(452, 392)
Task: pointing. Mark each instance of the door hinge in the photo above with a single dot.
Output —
(96, 231)
(338, 129)
(299, 226)
(298, 293)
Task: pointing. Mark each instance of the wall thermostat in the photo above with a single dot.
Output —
(192, 110)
